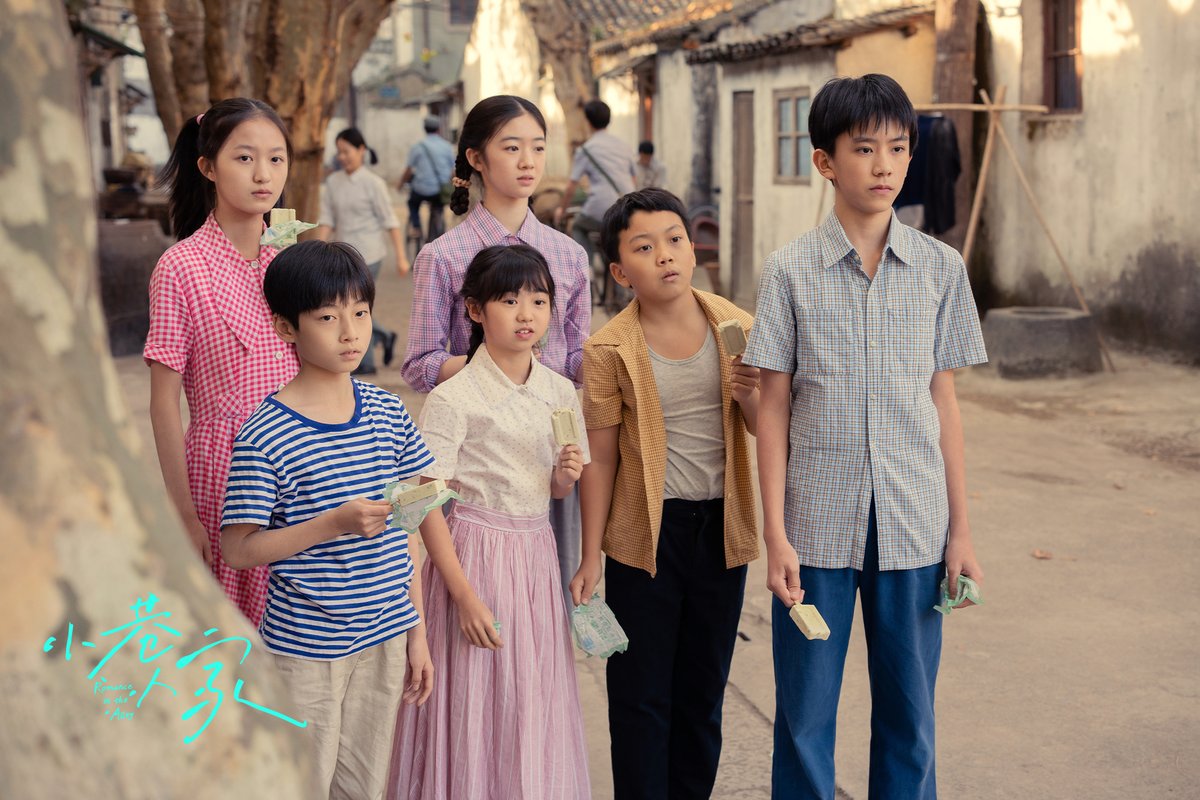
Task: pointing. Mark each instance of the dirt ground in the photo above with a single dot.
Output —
(1080, 677)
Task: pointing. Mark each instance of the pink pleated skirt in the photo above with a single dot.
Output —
(503, 724)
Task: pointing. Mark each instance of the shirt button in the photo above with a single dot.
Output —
(279, 355)
(872, 343)
(280, 389)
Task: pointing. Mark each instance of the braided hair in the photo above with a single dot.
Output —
(485, 119)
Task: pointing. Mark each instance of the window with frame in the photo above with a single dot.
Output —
(462, 12)
(1063, 77)
(793, 147)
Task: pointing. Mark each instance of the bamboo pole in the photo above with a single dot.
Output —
(980, 108)
(1037, 210)
(977, 202)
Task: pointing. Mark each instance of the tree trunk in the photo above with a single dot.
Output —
(87, 528)
(307, 52)
(152, 23)
(187, 47)
(225, 48)
(565, 45)
(954, 82)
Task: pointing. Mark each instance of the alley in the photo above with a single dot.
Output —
(1078, 677)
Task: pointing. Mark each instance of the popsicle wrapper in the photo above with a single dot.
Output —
(410, 516)
(596, 629)
(284, 234)
(967, 590)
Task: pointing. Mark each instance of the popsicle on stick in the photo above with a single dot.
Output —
(809, 621)
(733, 336)
(566, 426)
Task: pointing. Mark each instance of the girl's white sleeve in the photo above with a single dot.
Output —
(444, 428)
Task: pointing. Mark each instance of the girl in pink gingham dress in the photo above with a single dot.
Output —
(211, 337)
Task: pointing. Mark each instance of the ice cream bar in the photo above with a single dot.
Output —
(281, 215)
(733, 336)
(566, 427)
(809, 621)
(414, 494)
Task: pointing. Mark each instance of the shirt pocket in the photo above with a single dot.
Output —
(910, 339)
(825, 340)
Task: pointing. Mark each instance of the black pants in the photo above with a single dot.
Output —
(435, 212)
(665, 693)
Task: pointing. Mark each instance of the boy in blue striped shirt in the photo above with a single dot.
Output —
(305, 495)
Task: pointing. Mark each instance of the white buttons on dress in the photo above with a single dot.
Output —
(279, 355)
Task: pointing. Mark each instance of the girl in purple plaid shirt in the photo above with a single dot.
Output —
(502, 151)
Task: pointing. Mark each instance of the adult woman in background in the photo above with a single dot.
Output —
(356, 209)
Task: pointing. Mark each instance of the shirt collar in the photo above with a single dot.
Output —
(491, 232)
(226, 255)
(835, 245)
(496, 387)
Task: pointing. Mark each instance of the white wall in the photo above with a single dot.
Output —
(674, 116)
(1116, 181)
(781, 211)
(502, 57)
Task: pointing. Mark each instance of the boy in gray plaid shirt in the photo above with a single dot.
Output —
(859, 326)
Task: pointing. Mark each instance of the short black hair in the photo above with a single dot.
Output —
(616, 219)
(847, 105)
(646, 147)
(312, 274)
(598, 114)
(498, 270)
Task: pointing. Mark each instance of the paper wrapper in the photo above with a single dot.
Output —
(596, 629)
(967, 590)
(284, 234)
(409, 516)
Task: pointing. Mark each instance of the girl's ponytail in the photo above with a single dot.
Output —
(460, 198)
(191, 195)
(374, 157)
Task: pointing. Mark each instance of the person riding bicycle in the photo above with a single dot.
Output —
(430, 165)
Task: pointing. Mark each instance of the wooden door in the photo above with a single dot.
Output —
(742, 290)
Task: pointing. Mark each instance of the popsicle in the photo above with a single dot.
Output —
(734, 337)
(809, 621)
(566, 426)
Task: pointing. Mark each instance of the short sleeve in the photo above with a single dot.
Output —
(326, 215)
(169, 340)
(957, 339)
(579, 165)
(383, 206)
(574, 405)
(601, 388)
(413, 456)
(444, 429)
(252, 492)
(772, 342)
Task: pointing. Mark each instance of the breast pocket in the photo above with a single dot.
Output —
(910, 338)
(825, 341)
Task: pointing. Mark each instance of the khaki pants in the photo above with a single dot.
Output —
(350, 705)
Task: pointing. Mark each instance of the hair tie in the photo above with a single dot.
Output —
(461, 183)
(199, 117)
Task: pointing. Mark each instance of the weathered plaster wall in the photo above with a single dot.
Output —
(908, 59)
(781, 211)
(674, 118)
(1116, 182)
(502, 57)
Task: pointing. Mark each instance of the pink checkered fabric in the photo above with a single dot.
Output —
(209, 322)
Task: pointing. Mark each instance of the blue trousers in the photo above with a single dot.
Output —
(904, 646)
(666, 692)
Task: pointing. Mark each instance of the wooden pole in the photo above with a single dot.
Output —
(979, 108)
(954, 24)
(977, 202)
(1037, 210)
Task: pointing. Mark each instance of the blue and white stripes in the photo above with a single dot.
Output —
(347, 593)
